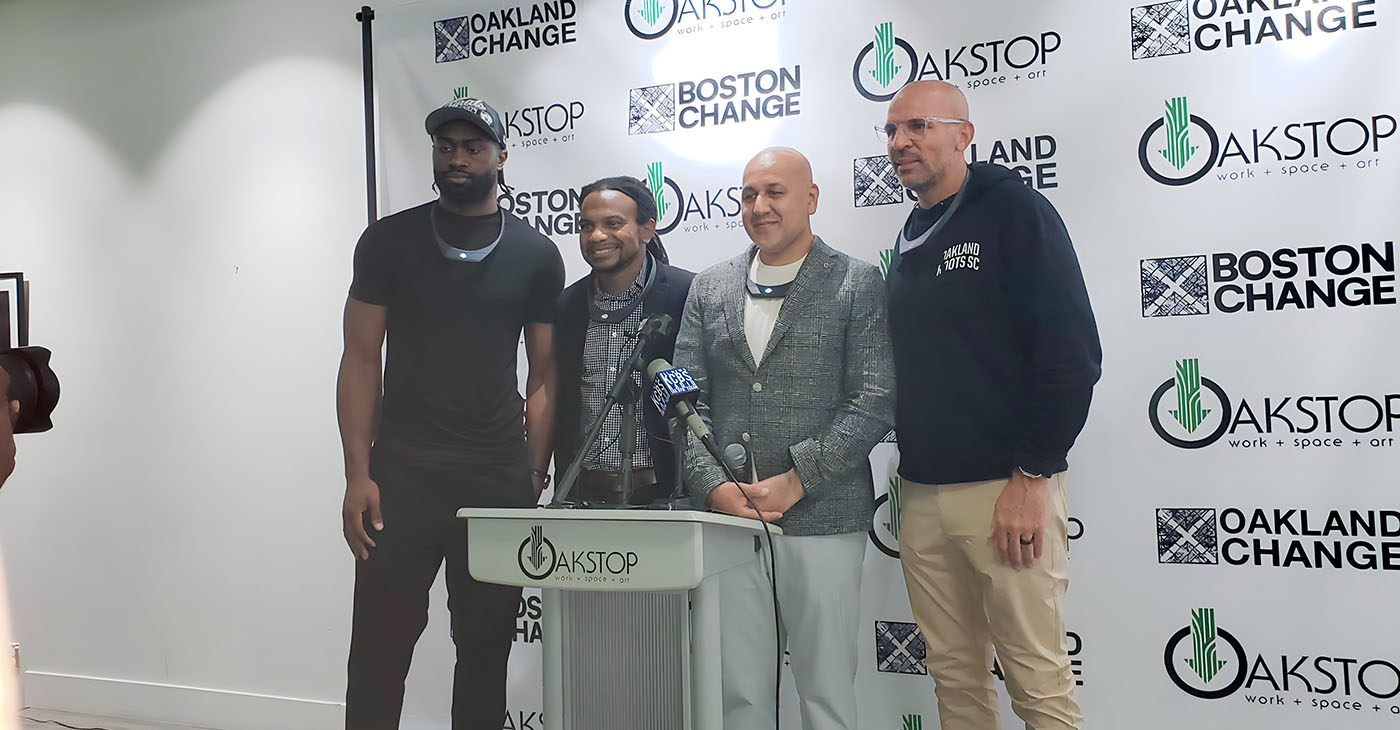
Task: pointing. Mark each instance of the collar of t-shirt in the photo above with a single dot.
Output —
(923, 219)
(762, 273)
(760, 315)
(468, 232)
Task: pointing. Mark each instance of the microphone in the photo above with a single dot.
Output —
(674, 389)
(656, 324)
(736, 457)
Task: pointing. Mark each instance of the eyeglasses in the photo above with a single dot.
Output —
(914, 128)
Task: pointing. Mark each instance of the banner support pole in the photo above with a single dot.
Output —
(365, 17)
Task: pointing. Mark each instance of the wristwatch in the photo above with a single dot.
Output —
(1022, 469)
(542, 474)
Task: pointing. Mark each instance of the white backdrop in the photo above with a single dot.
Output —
(1222, 168)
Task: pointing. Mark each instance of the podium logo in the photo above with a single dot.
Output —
(1187, 536)
(1170, 153)
(536, 556)
(899, 648)
(884, 65)
(1203, 666)
(884, 529)
(912, 722)
(1188, 424)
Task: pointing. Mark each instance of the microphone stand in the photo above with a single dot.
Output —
(627, 440)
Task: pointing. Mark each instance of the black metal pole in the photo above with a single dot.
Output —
(366, 16)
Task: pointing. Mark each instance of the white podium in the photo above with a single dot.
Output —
(630, 608)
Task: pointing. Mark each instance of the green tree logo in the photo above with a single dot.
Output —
(656, 181)
(912, 722)
(650, 11)
(896, 485)
(1189, 412)
(1204, 661)
(1178, 121)
(886, 258)
(885, 68)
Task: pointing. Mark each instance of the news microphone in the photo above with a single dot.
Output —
(674, 389)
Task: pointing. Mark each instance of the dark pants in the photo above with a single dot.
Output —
(419, 503)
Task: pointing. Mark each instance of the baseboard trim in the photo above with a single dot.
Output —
(178, 704)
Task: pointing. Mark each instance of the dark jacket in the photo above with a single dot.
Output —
(995, 348)
(667, 296)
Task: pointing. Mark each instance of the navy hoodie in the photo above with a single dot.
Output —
(995, 348)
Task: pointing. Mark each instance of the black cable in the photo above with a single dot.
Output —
(60, 724)
(772, 584)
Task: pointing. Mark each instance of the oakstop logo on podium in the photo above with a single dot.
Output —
(540, 560)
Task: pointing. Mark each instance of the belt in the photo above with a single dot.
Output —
(606, 487)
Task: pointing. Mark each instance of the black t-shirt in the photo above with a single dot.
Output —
(450, 387)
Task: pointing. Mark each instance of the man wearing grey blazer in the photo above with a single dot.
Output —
(790, 347)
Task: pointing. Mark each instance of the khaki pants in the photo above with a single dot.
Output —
(967, 601)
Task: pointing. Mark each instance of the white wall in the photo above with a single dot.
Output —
(183, 184)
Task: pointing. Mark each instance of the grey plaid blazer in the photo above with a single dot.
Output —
(821, 400)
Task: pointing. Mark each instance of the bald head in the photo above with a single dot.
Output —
(777, 203)
(930, 131)
(936, 98)
(790, 163)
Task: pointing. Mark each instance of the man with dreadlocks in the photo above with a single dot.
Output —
(595, 324)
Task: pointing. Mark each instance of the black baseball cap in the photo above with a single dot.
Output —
(471, 110)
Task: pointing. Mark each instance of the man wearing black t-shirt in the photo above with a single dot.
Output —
(452, 283)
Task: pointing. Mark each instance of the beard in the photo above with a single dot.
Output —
(623, 260)
(476, 189)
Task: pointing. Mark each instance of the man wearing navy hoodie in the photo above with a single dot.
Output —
(996, 355)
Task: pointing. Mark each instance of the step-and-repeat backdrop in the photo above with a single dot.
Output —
(1226, 169)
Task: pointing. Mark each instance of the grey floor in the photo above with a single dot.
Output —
(33, 717)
